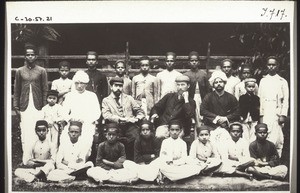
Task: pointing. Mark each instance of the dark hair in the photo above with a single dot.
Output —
(28, 46)
(145, 121)
(41, 123)
(227, 60)
(194, 53)
(172, 54)
(273, 57)
(64, 63)
(203, 127)
(111, 126)
(144, 58)
(175, 122)
(92, 53)
(120, 61)
(237, 124)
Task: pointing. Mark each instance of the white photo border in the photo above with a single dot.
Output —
(150, 12)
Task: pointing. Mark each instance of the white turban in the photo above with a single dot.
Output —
(81, 76)
(217, 74)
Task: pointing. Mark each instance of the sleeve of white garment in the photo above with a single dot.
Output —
(285, 99)
(164, 154)
(183, 158)
(261, 96)
(95, 111)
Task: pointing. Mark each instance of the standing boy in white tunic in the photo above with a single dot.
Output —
(274, 103)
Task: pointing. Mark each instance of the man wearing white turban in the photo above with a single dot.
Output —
(219, 108)
(83, 105)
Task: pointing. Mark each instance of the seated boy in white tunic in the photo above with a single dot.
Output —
(42, 156)
(235, 153)
(146, 151)
(71, 157)
(204, 153)
(267, 162)
(110, 158)
(173, 155)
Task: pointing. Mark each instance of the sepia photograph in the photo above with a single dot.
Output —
(157, 96)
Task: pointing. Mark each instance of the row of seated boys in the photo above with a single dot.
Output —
(153, 161)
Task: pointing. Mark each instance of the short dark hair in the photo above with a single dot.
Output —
(274, 58)
(92, 53)
(172, 54)
(260, 125)
(28, 46)
(145, 121)
(120, 61)
(111, 126)
(227, 60)
(236, 124)
(194, 53)
(64, 63)
(175, 122)
(144, 58)
(203, 127)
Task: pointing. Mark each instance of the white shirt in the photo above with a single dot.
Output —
(240, 89)
(173, 149)
(273, 90)
(61, 85)
(52, 113)
(83, 106)
(239, 149)
(70, 152)
(166, 82)
(232, 81)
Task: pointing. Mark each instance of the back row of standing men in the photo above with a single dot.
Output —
(169, 96)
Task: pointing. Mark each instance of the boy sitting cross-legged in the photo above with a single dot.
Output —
(146, 150)
(42, 156)
(173, 156)
(235, 154)
(267, 163)
(71, 157)
(204, 153)
(110, 158)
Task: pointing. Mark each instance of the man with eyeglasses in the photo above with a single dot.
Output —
(30, 93)
(166, 78)
(219, 108)
(274, 102)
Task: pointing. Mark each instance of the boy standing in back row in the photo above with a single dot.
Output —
(63, 85)
(145, 87)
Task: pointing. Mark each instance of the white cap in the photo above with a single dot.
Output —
(217, 74)
(81, 76)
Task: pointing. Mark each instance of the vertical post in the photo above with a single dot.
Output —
(207, 57)
(127, 57)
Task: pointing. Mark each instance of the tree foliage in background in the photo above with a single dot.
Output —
(267, 39)
(36, 34)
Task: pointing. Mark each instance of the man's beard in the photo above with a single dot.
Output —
(117, 93)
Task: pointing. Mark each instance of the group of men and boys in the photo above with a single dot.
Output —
(144, 121)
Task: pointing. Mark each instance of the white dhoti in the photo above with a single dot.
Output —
(61, 175)
(218, 136)
(270, 118)
(28, 174)
(146, 172)
(29, 117)
(175, 173)
(117, 176)
(279, 171)
(249, 131)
